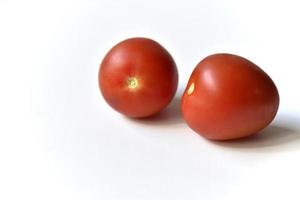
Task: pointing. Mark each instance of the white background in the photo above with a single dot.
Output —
(59, 139)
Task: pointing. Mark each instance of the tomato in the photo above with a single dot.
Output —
(138, 77)
(229, 97)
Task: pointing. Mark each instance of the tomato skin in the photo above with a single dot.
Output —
(138, 77)
(229, 97)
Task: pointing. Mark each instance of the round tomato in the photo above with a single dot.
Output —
(229, 97)
(138, 77)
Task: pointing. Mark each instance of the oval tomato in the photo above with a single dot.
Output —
(138, 77)
(229, 97)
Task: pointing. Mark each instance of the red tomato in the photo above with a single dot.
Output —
(229, 97)
(138, 77)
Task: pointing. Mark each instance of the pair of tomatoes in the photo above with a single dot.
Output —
(227, 96)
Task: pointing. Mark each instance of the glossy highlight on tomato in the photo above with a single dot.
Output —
(229, 97)
(138, 77)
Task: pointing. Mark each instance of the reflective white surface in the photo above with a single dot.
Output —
(60, 140)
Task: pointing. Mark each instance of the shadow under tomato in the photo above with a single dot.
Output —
(171, 115)
(281, 135)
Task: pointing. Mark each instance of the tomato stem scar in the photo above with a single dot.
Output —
(191, 89)
(132, 82)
